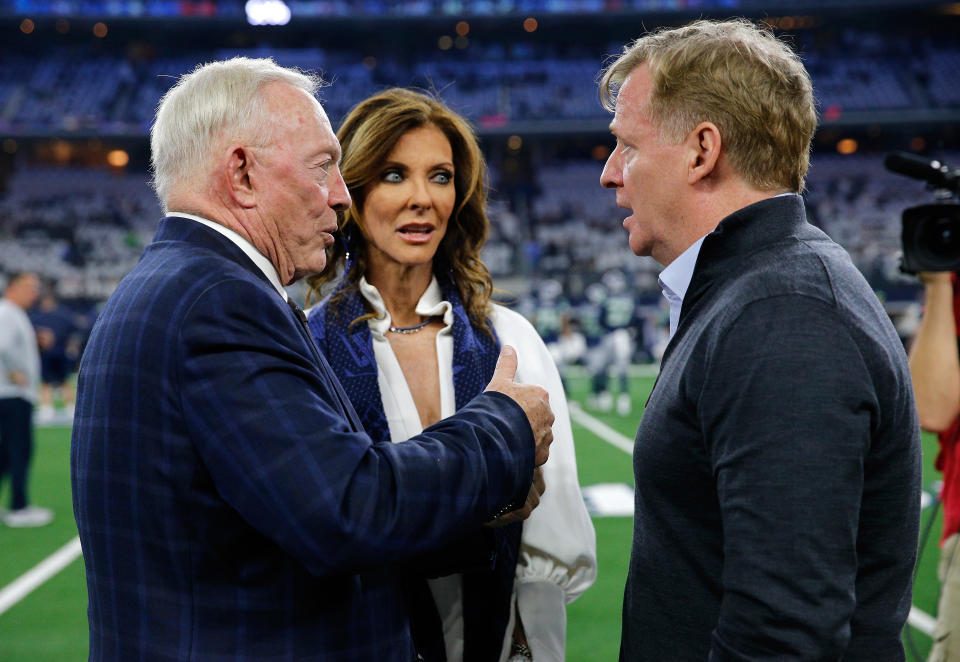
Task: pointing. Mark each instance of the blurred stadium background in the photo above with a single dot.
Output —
(80, 79)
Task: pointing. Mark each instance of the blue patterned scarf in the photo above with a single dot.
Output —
(349, 349)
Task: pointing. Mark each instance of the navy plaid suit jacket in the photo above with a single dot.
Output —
(230, 506)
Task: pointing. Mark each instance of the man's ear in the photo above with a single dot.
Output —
(236, 169)
(704, 145)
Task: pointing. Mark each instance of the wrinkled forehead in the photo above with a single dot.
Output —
(327, 136)
(303, 115)
(633, 96)
(299, 104)
(621, 110)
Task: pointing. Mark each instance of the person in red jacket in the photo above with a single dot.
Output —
(935, 368)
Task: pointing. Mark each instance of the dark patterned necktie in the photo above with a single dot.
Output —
(298, 311)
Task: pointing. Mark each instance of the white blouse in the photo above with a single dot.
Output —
(558, 554)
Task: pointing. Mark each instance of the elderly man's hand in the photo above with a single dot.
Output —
(533, 500)
(534, 401)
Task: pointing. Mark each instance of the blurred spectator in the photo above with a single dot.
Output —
(19, 381)
(58, 339)
(612, 307)
(569, 348)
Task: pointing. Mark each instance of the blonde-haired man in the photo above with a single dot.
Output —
(777, 465)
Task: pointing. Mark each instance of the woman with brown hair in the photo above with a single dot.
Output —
(411, 331)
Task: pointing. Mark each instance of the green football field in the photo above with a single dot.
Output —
(49, 623)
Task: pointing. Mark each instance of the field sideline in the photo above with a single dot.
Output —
(49, 624)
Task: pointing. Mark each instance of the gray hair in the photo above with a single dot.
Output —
(216, 99)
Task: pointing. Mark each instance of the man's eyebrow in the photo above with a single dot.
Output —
(331, 154)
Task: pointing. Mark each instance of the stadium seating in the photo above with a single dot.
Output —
(91, 233)
(75, 90)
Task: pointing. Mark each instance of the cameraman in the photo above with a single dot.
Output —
(935, 368)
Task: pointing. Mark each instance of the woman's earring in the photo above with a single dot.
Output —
(348, 257)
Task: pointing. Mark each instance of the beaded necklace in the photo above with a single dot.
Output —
(410, 329)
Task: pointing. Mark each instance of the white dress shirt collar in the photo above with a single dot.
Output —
(431, 303)
(259, 259)
(675, 279)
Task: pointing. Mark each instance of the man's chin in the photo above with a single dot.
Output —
(639, 249)
(312, 270)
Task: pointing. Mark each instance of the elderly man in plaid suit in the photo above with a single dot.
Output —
(229, 504)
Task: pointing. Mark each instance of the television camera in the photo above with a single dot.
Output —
(931, 233)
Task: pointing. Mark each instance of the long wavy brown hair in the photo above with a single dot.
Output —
(367, 136)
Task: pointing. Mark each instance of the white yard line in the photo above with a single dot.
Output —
(921, 620)
(601, 429)
(40, 573)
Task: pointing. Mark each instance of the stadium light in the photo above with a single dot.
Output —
(62, 151)
(118, 158)
(267, 12)
(833, 112)
(847, 146)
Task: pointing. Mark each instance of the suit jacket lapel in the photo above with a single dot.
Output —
(175, 228)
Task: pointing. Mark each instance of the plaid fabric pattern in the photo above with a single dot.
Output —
(228, 502)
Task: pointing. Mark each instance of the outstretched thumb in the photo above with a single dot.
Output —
(506, 365)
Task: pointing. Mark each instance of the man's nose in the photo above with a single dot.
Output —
(611, 175)
(339, 199)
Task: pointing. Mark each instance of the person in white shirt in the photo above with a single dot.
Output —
(411, 331)
(19, 386)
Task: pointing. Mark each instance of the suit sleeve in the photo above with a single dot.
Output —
(268, 424)
(786, 409)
